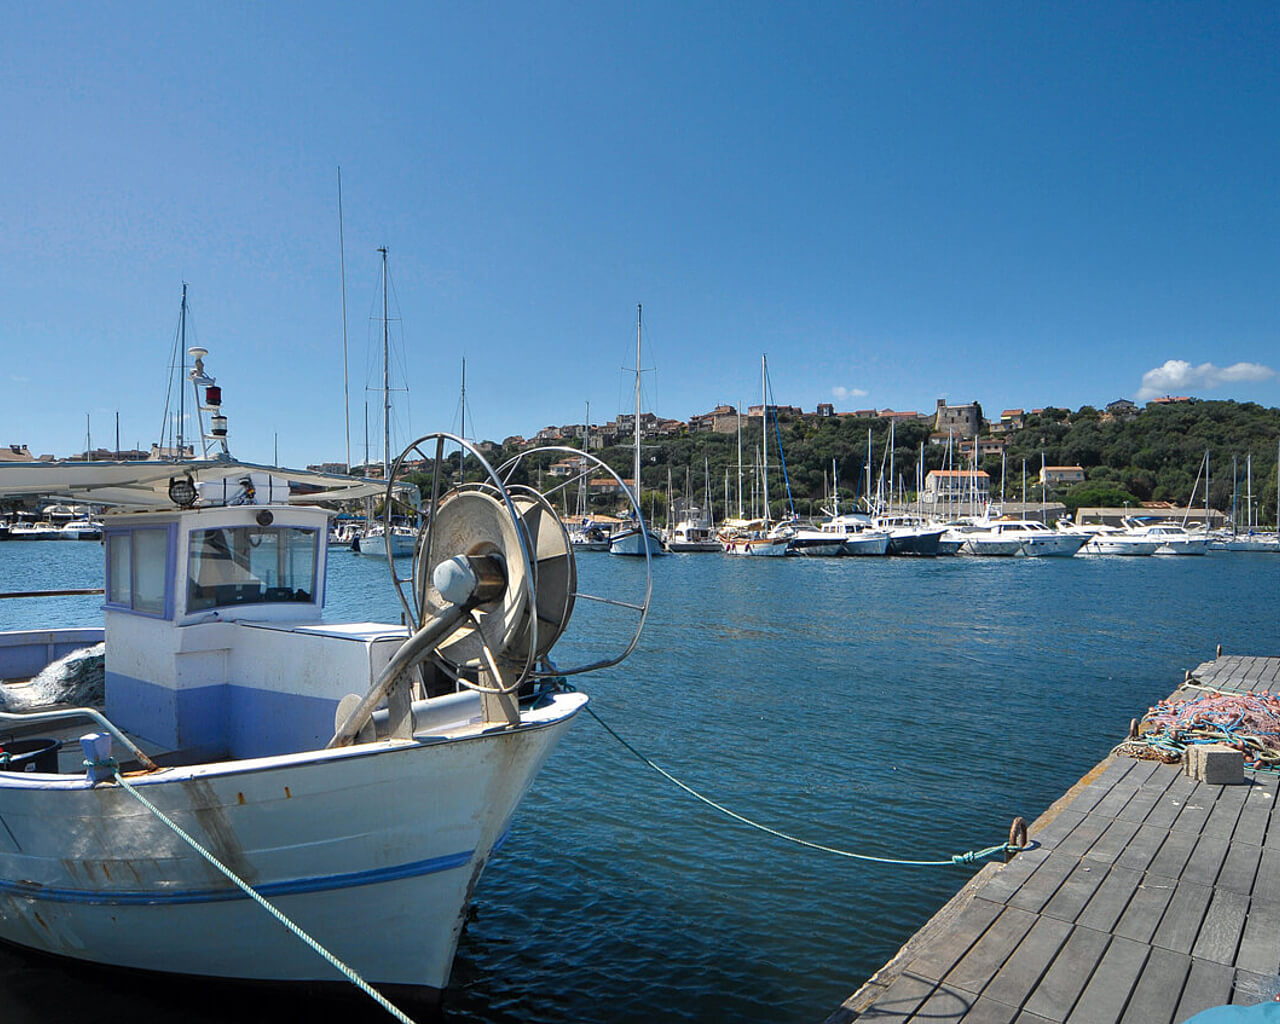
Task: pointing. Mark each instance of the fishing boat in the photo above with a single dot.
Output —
(634, 537)
(356, 778)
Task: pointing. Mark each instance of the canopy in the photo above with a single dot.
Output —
(143, 485)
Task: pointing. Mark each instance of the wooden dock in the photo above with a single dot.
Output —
(1151, 897)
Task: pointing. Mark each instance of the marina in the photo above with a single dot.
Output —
(875, 714)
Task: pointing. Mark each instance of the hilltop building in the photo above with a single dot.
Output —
(965, 420)
(1054, 476)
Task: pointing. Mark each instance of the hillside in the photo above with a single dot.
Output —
(1155, 455)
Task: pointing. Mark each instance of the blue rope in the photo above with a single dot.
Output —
(971, 857)
(350, 974)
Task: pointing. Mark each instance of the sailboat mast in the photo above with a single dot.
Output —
(342, 273)
(182, 376)
(635, 465)
(386, 374)
(740, 516)
(764, 433)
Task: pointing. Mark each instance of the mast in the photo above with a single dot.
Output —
(463, 400)
(635, 465)
(386, 375)
(342, 269)
(764, 434)
(740, 515)
(182, 376)
(1248, 462)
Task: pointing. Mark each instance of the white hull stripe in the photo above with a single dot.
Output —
(170, 897)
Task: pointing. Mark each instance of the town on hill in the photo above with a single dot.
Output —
(1120, 456)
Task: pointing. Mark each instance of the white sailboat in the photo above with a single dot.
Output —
(636, 538)
(762, 538)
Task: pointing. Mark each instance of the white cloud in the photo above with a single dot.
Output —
(843, 392)
(1177, 375)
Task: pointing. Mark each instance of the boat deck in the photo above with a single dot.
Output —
(1150, 897)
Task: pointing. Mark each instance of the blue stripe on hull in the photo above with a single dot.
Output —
(320, 883)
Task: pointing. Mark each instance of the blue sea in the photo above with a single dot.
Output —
(893, 707)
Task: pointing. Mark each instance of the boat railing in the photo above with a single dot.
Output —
(94, 715)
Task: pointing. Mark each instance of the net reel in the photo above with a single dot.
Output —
(504, 641)
(493, 587)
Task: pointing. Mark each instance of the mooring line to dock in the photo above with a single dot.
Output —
(971, 857)
(351, 975)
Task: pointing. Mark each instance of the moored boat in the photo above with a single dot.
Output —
(359, 776)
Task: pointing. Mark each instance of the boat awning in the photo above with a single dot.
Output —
(145, 485)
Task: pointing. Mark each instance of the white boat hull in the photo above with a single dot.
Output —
(866, 544)
(1184, 546)
(1052, 545)
(757, 548)
(373, 850)
(1110, 544)
(375, 546)
(693, 545)
(632, 542)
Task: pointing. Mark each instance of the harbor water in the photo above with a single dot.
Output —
(900, 708)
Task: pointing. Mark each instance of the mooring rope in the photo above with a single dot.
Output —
(351, 975)
(972, 856)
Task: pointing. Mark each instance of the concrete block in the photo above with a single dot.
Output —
(1191, 760)
(1220, 765)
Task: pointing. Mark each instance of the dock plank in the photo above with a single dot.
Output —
(990, 953)
(954, 941)
(1113, 841)
(1142, 849)
(1111, 899)
(1156, 996)
(1207, 985)
(1170, 804)
(1240, 868)
(1076, 890)
(1173, 855)
(1104, 998)
(1252, 824)
(1227, 805)
(1220, 931)
(1146, 909)
(1027, 964)
(1206, 860)
(1181, 922)
(1056, 995)
(1260, 943)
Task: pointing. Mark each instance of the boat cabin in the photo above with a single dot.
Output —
(215, 642)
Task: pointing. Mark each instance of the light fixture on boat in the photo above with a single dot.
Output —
(182, 491)
(265, 518)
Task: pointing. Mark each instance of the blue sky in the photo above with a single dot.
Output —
(1022, 204)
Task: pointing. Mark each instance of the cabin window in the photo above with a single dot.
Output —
(137, 568)
(251, 565)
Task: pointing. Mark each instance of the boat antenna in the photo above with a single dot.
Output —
(342, 271)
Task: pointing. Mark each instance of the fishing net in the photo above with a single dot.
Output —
(1249, 722)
